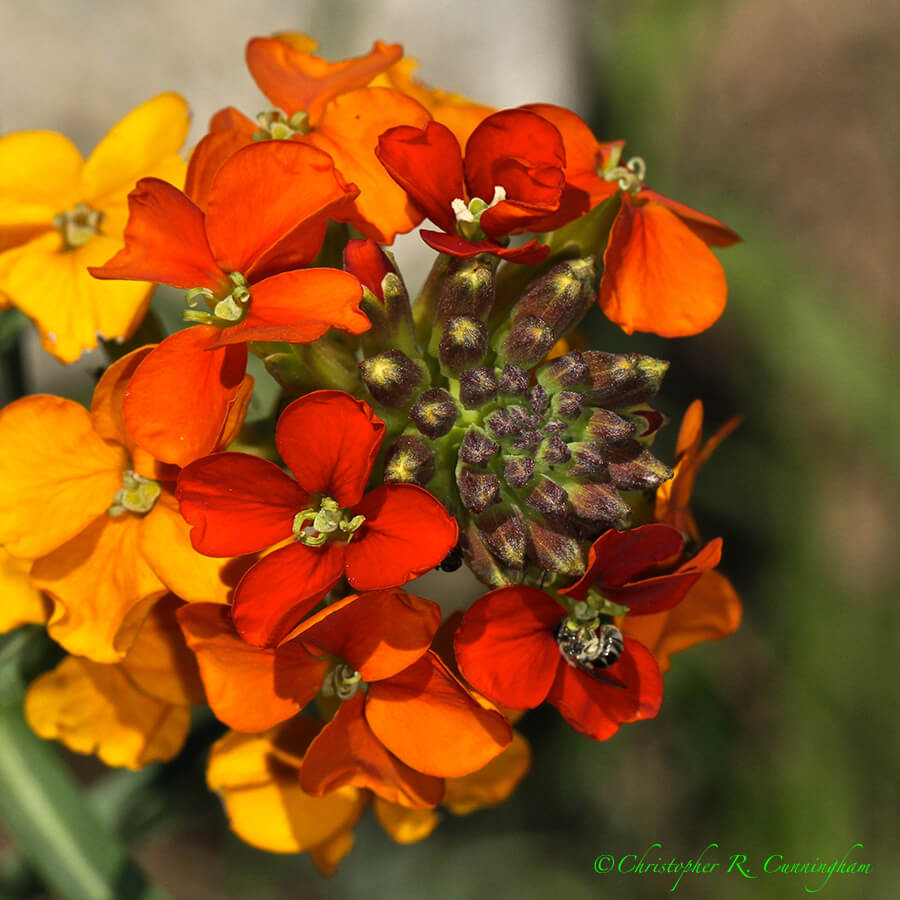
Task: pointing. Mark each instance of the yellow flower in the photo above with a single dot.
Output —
(60, 214)
(22, 603)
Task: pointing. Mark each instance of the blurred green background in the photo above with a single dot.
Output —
(781, 118)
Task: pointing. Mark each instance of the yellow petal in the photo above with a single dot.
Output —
(94, 708)
(264, 802)
(103, 588)
(22, 604)
(404, 825)
(491, 785)
(39, 175)
(327, 856)
(56, 474)
(159, 662)
(145, 143)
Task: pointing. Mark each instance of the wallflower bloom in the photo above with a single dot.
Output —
(243, 504)
(97, 516)
(327, 106)
(245, 256)
(60, 214)
(659, 274)
(512, 177)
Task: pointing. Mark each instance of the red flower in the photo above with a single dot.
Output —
(511, 178)
(245, 256)
(241, 504)
(369, 263)
(658, 272)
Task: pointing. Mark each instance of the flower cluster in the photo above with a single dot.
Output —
(183, 556)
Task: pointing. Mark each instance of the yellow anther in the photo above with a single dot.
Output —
(137, 495)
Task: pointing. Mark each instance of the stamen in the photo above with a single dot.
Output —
(328, 522)
(468, 216)
(630, 176)
(78, 225)
(275, 125)
(227, 311)
(137, 495)
(342, 682)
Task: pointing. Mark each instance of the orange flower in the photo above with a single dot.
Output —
(97, 516)
(711, 609)
(328, 106)
(22, 603)
(60, 214)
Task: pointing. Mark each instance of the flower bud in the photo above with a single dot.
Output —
(513, 380)
(567, 371)
(477, 387)
(504, 533)
(393, 378)
(561, 298)
(555, 551)
(553, 452)
(632, 468)
(518, 470)
(549, 499)
(434, 413)
(622, 380)
(409, 461)
(606, 427)
(599, 505)
(463, 343)
(476, 447)
(538, 400)
(467, 290)
(527, 342)
(477, 490)
(567, 405)
(587, 461)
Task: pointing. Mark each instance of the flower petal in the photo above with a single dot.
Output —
(329, 440)
(178, 401)
(526, 254)
(145, 142)
(94, 708)
(248, 688)
(165, 241)
(596, 708)
(427, 164)
(347, 752)
(378, 633)
(109, 394)
(404, 825)
(427, 719)
(294, 80)
(407, 532)
(349, 133)
(212, 152)
(276, 592)
(22, 603)
(57, 475)
(237, 503)
(505, 646)
(103, 588)
(711, 231)
(658, 276)
(299, 307)
(369, 263)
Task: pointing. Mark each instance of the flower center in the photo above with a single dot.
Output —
(275, 125)
(342, 682)
(589, 645)
(228, 310)
(328, 522)
(468, 216)
(630, 176)
(78, 225)
(137, 495)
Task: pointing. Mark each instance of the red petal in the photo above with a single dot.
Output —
(178, 401)
(165, 241)
(658, 276)
(527, 254)
(255, 204)
(407, 532)
(711, 231)
(378, 633)
(369, 263)
(584, 153)
(597, 708)
(299, 307)
(295, 81)
(237, 503)
(427, 719)
(617, 557)
(209, 156)
(248, 689)
(329, 440)
(428, 165)
(347, 752)
(505, 646)
(276, 592)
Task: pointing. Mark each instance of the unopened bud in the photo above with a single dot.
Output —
(513, 380)
(561, 298)
(632, 468)
(606, 427)
(409, 461)
(467, 290)
(527, 342)
(553, 452)
(599, 504)
(549, 499)
(587, 461)
(567, 405)
(478, 490)
(502, 423)
(503, 531)
(434, 413)
(463, 343)
(476, 447)
(392, 378)
(477, 387)
(555, 551)
(567, 371)
(518, 470)
(622, 380)
(537, 398)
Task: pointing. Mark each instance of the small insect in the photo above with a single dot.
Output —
(589, 648)
(452, 561)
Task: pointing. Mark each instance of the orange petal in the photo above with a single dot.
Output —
(347, 752)
(57, 475)
(248, 688)
(426, 718)
(349, 133)
(211, 153)
(265, 804)
(491, 785)
(710, 611)
(109, 394)
(711, 231)
(159, 662)
(294, 80)
(658, 275)
(94, 708)
(404, 825)
(327, 856)
(299, 307)
(103, 588)
(22, 603)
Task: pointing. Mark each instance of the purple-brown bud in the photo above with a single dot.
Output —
(607, 428)
(599, 504)
(548, 498)
(477, 387)
(527, 342)
(503, 531)
(434, 413)
(409, 461)
(561, 298)
(478, 490)
(463, 343)
(555, 551)
(518, 470)
(392, 378)
(467, 290)
(622, 380)
(587, 461)
(513, 380)
(476, 447)
(566, 371)
(632, 468)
